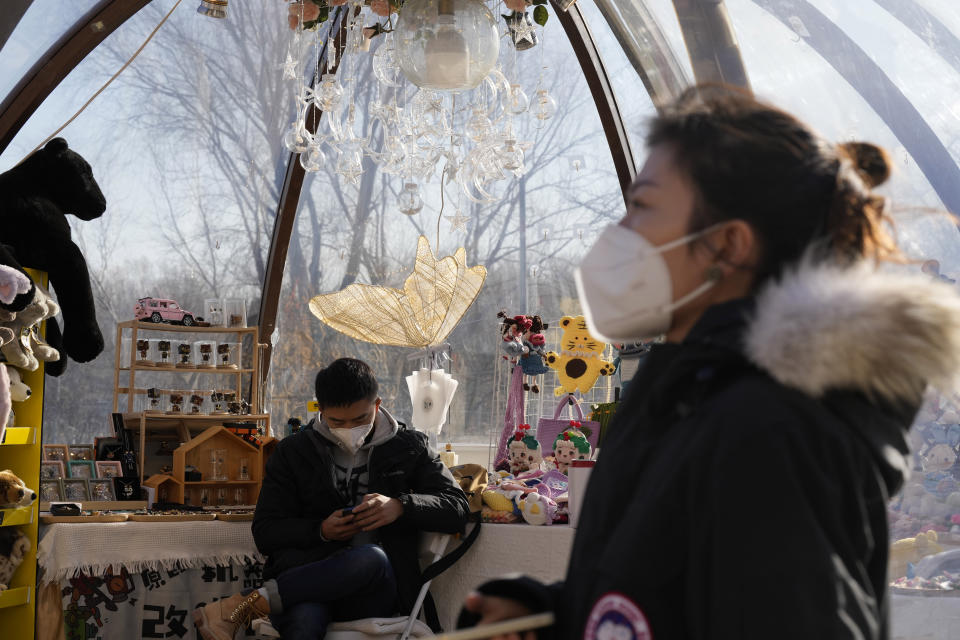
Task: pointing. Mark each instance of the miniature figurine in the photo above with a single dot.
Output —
(223, 350)
(184, 349)
(219, 401)
(153, 395)
(176, 403)
(196, 401)
(163, 346)
(143, 349)
(206, 354)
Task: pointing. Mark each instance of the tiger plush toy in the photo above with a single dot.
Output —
(578, 365)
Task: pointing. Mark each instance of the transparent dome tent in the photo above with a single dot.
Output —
(204, 199)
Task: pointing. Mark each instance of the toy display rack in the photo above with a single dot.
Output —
(20, 452)
(160, 426)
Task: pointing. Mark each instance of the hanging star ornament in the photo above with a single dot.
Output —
(524, 30)
(289, 68)
(458, 221)
(433, 300)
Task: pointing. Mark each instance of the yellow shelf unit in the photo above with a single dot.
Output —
(18, 516)
(14, 598)
(21, 454)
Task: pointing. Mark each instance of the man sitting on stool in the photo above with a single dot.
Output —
(339, 517)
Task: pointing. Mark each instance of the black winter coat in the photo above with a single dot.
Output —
(299, 493)
(726, 504)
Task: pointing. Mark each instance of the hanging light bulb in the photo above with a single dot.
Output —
(410, 202)
(313, 158)
(546, 105)
(446, 44)
(517, 101)
(213, 8)
(296, 138)
(511, 156)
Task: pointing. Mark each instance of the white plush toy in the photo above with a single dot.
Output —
(537, 509)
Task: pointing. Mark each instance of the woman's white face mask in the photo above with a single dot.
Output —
(625, 288)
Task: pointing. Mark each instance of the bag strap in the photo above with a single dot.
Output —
(571, 400)
(515, 412)
(451, 558)
(441, 565)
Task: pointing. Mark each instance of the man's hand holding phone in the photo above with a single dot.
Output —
(340, 525)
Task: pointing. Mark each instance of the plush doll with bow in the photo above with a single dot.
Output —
(570, 445)
(512, 335)
(532, 361)
(524, 451)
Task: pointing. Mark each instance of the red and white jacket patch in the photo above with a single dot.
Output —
(616, 617)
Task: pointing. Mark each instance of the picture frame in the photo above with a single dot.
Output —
(109, 469)
(52, 470)
(56, 452)
(101, 489)
(81, 469)
(81, 452)
(127, 488)
(50, 490)
(75, 489)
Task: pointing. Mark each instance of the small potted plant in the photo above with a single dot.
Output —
(196, 402)
(176, 403)
(163, 347)
(224, 351)
(184, 349)
(205, 351)
(153, 399)
(143, 353)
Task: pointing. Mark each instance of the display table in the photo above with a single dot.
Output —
(130, 580)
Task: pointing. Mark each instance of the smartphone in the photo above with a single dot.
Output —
(346, 512)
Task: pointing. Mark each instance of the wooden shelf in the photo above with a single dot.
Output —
(102, 505)
(14, 597)
(20, 435)
(212, 370)
(19, 515)
(202, 421)
(179, 328)
(208, 482)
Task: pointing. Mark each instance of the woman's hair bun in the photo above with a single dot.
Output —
(871, 162)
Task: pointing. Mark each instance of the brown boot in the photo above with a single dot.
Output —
(221, 619)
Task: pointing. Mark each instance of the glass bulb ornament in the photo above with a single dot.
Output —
(511, 156)
(296, 139)
(478, 126)
(213, 8)
(546, 106)
(329, 94)
(410, 202)
(517, 101)
(350, 165)
(313, 158)
(447, 45)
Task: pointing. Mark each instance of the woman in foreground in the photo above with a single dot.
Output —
(742, 487)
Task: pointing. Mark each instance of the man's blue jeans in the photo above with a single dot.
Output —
(354, 584)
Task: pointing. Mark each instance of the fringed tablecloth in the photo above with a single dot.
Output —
(66, 549)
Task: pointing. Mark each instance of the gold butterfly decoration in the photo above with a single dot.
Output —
(432, 302)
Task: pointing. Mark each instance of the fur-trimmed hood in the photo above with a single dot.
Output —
(887, 334)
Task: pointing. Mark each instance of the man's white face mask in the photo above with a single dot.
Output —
(624, 285)
(352, 438)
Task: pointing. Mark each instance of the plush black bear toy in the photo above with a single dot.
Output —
(35, 197)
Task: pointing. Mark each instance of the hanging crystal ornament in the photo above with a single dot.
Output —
(478, 126)
(447, 45)
(511, 157)
(350, 165)
(546, 106)
(385, 65)
(313, 158)
(410, 202)
(328, 95)
(296, 138)
(517, 101)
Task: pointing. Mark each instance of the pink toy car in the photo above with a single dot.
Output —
(157, 310)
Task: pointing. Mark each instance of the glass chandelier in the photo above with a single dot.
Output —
(459, 123)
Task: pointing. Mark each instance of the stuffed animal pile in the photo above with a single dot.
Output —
(13, 544)
(535, 497)
(35, 197)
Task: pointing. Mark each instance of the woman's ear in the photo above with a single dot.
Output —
(735, 246)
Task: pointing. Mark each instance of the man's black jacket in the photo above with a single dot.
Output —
(299, 493)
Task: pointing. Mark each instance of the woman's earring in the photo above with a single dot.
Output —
(714, 273)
